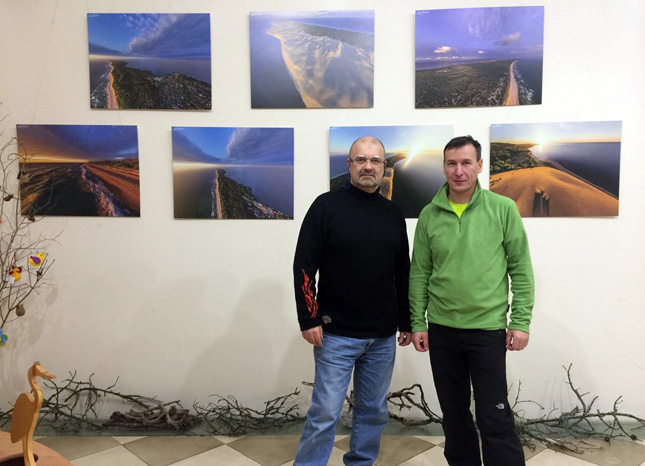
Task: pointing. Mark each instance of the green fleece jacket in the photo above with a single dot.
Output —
(460, 266)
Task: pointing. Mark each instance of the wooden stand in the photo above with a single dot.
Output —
(11, 454)
(18, 448)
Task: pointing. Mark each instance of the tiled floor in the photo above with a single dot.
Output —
(279, 450)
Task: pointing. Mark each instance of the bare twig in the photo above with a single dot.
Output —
(228, 417)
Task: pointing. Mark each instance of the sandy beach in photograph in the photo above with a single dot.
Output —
(547, 192)
(218, 197)
(512, 96)
(111, 94)
(122, 181)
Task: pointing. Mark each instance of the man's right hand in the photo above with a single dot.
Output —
(420, 341)
(313, 335)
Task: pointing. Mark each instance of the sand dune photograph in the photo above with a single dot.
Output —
(558, 169)
(79, 170)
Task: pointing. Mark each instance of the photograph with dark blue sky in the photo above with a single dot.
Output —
(79, 170)
(77, 143)
(126, 50)
(461, 55)
(230, 172)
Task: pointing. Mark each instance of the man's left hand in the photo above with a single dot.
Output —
(405, 338)
(516, 340)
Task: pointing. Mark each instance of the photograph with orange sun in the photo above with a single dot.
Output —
(557, 169)
(413, 161)
(79, 170)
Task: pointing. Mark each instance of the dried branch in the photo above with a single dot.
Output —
(566, 431)
(406, 399)
(227, 416)
(73, 406)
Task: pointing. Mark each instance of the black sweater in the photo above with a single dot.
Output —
(357, 242)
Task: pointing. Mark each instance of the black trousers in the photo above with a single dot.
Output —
(458, 357)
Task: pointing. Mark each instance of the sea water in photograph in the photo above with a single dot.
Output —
(233, 173)
(79, 170)
(413, 161)
(312, 59)
(558, 169)
(479, 57)
(150, 61)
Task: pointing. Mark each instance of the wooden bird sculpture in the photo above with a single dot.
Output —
(25, 413)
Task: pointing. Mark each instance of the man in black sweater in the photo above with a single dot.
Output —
(356, 241)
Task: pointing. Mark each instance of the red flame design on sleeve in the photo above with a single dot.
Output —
(307, 290)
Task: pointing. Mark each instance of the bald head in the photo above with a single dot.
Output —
(366, 141)
(366, 163)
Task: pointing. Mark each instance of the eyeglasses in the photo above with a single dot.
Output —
(361, 161)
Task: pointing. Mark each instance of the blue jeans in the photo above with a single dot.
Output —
(372, 361)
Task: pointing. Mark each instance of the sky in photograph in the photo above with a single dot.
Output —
(77, 143)
(545, 133)
(394, 138)
(351, 20)
(479, 33)
(150, 35)
(233, 146)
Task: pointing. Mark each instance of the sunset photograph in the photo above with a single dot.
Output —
(558, 169)
(413, 161)
(79, 170)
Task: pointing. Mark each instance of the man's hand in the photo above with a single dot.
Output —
(405, 338)
(420, 341)
(516, 340)
(313, 335)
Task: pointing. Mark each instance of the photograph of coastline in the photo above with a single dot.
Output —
(233, 173)
(316, 59)
(79, 170)
(414, 161)
(558, 169)
(479, 57)
(150, 61)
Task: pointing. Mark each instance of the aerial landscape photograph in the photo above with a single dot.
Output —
(558, 169)
(79, 170)
(314, 59)
(149, 61)
(232, 172)
(479, 57)
(413, 161)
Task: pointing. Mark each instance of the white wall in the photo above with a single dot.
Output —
(183, 309)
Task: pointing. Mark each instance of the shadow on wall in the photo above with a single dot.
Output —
(554, 343)
(259, 356)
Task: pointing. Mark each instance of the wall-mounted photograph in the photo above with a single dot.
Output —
(315, 59)
(558, 169)
(79, 170)
(233, 173)
(479, 57)
(150, 61)
(413, 156)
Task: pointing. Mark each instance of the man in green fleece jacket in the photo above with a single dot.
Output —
(467, 244)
